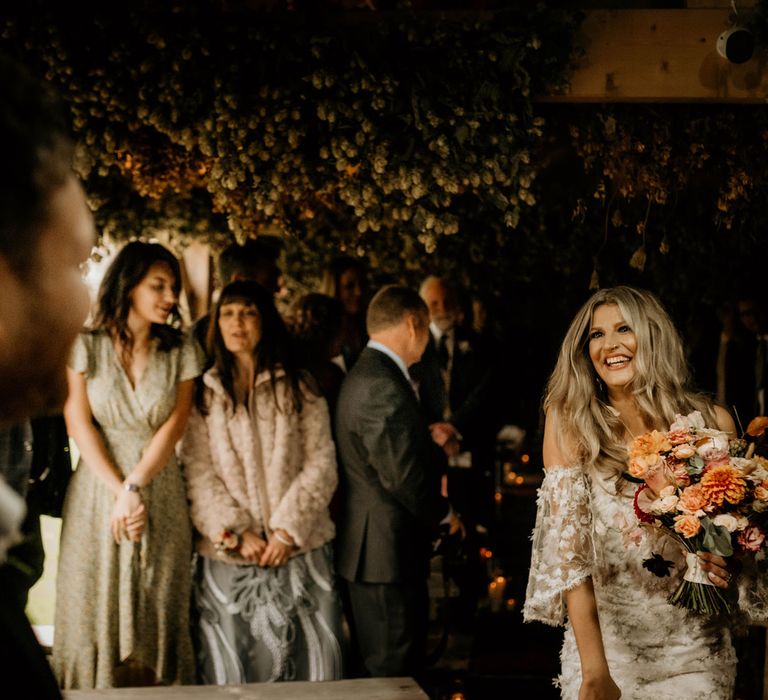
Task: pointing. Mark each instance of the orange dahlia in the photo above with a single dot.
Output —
(724, 483)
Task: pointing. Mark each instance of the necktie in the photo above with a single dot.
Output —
(442, 351)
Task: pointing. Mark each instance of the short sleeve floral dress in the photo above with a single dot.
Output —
(123, 608)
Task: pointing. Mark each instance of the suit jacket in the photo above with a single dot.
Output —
(470, 399)
(390, 476)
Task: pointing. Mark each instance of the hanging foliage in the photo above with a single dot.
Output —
(372, 123)
(410, 138)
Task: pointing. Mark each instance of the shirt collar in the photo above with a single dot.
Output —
(375, 345)
(437, 333)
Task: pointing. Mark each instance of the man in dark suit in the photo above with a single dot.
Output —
(455, 388)
(390, 481)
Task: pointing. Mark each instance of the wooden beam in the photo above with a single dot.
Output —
(661, 56)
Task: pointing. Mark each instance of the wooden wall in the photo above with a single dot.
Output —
(661, 56)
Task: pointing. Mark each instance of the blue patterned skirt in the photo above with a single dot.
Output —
(268, 624)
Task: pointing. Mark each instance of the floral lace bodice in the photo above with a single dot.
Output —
(585, 527)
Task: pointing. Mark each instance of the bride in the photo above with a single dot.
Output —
(621, 372)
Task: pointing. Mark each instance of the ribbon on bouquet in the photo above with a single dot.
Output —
(694, 573)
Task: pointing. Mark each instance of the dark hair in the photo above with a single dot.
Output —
(273, 352)
(391, 304)
(242, 260)
(315, 324)
(126, 271)
(338, 266)
(37, 152)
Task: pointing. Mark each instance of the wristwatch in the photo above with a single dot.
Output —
(133, 488)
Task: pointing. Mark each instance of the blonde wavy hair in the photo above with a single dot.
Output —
(589, 429)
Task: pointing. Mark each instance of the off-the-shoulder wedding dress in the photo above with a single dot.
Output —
(655, 651)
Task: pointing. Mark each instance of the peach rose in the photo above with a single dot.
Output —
(682, 477)
(687, 525)
(666, 502)
(659, 477)
(641, 466)
(761, 491)
(650, 443)
(678, 437)
(685, 451)
(692, 499)
(757, 426)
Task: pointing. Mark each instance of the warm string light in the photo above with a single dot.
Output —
(496, 590)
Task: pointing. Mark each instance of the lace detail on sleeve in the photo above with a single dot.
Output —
(563, 551)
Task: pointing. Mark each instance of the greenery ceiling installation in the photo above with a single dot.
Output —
(413, 138)
(347, 127)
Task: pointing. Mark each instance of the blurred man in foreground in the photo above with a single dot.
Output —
(46, 233)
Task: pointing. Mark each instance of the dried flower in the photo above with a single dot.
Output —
(658, 565)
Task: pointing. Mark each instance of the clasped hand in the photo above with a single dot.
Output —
(269, 552)
(719, 570)
(446, 436)
(129, 517)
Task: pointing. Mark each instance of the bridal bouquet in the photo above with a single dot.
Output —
(706, 491)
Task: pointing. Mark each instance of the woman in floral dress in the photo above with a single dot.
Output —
(124, 583)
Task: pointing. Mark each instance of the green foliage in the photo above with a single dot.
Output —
(374, 132)
(717, 539)
(410, 138)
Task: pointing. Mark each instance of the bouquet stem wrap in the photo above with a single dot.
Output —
(698, 594)
(694, 573)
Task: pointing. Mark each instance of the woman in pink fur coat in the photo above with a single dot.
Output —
(261, 468)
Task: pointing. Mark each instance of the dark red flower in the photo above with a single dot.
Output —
(642, 516)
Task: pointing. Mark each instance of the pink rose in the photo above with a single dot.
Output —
(751, 538)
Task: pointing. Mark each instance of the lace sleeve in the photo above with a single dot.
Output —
(563, 552)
